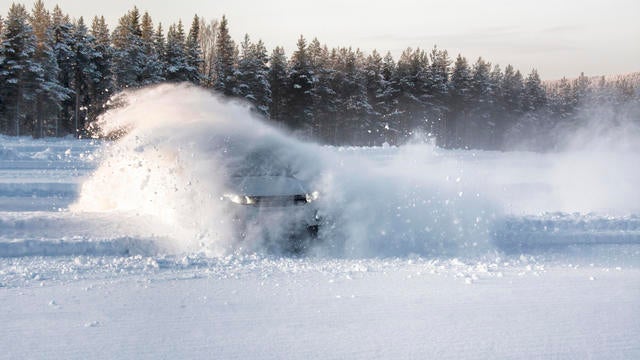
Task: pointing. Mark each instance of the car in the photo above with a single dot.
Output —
(277, 209)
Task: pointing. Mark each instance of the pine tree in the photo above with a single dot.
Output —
(412, 76)
(437, 91)
(253, 75)
(373, 75)
(353, 108)
(374, 82)
(194, 52)
(85, 66)
(564, 101)
(225, 66)
(62, 29)
(388, 100)
(300, 89)
(480, 125)
(129, 58)
(175, 56)
(534, 97)
(497, 109)
(512, 86)
(153, 68)
(159, 45)
(40, 21)
(102, 85)
(51, 94)
(277, 77)
(536, 124)
(582, 89)
(21, 76)
(460, 100)
(245, 69)
(325, 102)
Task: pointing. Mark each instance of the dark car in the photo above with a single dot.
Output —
(270, 203)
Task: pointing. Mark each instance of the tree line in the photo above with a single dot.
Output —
(58, 75)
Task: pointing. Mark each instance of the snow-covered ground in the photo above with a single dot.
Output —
(123, 249)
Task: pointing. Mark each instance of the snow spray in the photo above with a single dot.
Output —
(180, 144)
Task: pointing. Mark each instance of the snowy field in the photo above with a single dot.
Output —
(123, 249)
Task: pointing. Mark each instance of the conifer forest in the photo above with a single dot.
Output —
(58, 75)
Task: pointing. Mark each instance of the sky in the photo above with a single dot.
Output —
(558, 38)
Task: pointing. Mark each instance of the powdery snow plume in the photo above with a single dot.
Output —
(181, 144)
(172, 164)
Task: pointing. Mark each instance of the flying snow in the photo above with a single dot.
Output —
(179, 145)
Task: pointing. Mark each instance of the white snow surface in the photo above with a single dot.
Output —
(125, 249)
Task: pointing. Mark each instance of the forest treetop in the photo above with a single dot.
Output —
(58, 74)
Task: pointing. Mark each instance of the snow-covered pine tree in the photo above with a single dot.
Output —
(51, 94)
(437, 91)
(193, 52)
(388, 100)
(512, 99)
(324, 97)
(412, 76)
(512, 87)
(373, 82)
(354, 111)
(159, 45)
(277, 77)
(261, 85)
(582, 89)
(564, 101)
(534, 97)
(480, 125)
(21, 76)
(175, 56)
(102, 85)
(225, 65)
(85, 68)
(153, 68)
(62, 30)
(364, 117)
(129, 58)
(244, 72)
(536, 124)
(460, 100)
(252, 75)
(497, 109)
(300, 90)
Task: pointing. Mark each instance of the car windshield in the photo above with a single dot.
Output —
(268, 185)
(262, 162)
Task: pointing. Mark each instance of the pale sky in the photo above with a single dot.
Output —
(557, 37)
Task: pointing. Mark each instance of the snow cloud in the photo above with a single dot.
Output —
(182, 144)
